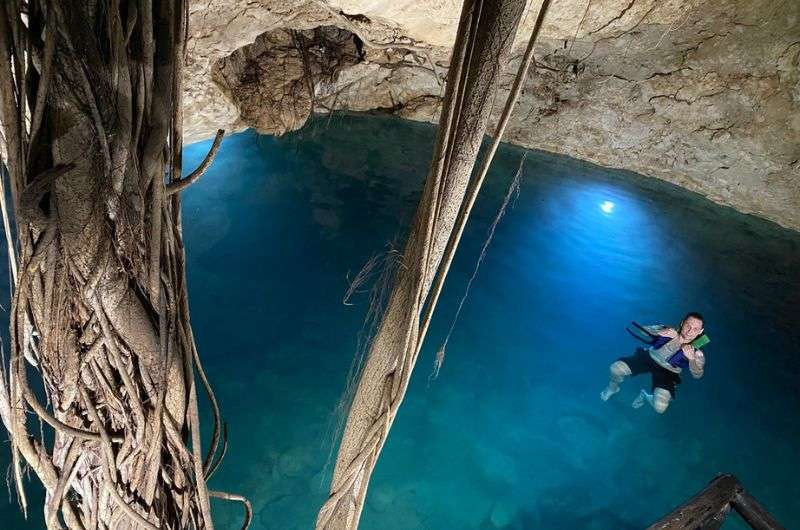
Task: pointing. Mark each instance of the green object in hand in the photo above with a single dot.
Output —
(700, 341)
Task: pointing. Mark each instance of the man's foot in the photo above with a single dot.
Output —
(639, 401)
(607, 393)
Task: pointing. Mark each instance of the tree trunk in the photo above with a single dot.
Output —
(99, 319)
(485, 34)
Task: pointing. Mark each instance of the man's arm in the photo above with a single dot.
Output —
(697, 363)
(662, 330)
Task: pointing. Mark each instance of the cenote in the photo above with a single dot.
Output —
(512, 434)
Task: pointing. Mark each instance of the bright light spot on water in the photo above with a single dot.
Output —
(607, 207)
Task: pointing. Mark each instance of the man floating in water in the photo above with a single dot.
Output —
(668, 353)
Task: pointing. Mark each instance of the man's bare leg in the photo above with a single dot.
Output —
(659, 400)
(618, 371)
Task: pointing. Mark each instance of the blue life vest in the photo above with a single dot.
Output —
(678, 359)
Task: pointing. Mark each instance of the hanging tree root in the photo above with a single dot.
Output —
(513, 191)
(482, 43)
(99, 317)
(179, 185)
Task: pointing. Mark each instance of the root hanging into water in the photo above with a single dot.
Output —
(438, 361)
(482, 46)
(363, 276)
(380, 270)
(513, 191)
(99, 319)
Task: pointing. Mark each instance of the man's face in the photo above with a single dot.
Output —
(691, 328)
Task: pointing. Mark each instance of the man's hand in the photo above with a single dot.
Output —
(697, 362)
(690, 353)
(668, 332)
(699, 358)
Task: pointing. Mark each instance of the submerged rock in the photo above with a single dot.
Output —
(298, 461)
(502, 514)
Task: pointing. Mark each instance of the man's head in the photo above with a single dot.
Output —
(691, 326)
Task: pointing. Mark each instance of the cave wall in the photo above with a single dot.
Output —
(705, 95)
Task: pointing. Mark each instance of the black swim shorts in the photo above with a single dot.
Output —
(641, 362)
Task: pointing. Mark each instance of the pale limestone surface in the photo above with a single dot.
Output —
(705, 95)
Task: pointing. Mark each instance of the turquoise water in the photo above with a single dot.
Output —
(513, 434)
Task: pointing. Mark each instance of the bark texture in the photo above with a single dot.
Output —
(102, 350)
(487, 29)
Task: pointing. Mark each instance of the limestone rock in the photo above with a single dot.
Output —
(294, 62)
(704, 95)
